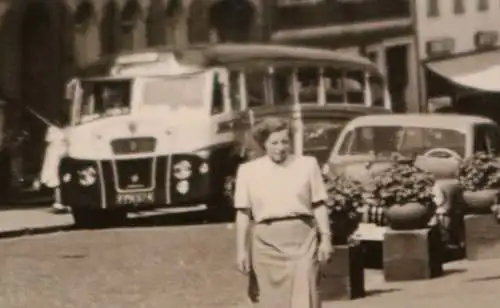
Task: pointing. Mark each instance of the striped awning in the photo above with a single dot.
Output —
(479, 72)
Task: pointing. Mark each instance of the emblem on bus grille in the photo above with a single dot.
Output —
(132, 127)
(133, 146)
(134, 178)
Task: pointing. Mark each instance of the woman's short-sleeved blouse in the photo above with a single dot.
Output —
(274, 191)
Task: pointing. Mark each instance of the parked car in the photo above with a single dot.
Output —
(438, 142)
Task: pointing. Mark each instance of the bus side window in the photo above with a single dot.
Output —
(255, 87)
(333, 86)
(217, 95)
(88, 101)
(354, 85)
(281, 83)
(308, 78)
(235, 93)
(377, 90)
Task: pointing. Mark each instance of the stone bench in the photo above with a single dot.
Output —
(412, 254)
(482, 237)
(343, 277)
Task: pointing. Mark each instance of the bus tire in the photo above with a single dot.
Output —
(84, 218)
(220, 209)
(115, 217)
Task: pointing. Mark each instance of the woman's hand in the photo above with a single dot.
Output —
(243, 262)
(325, 250)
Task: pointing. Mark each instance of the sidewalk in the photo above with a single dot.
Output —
(465, 284)
(18, 221)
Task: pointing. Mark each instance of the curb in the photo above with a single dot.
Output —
(25, 231)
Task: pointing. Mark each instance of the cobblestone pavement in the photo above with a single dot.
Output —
(465, 284)
(180, 263)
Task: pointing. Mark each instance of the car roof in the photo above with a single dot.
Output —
(220, 54)
(422, 120)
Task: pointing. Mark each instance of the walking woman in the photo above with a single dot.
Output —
(290, 237)
(54, 152)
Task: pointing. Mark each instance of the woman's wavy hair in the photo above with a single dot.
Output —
(269, 125)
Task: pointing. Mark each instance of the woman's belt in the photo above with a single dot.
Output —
(269, 221)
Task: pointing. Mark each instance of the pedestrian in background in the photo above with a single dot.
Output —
(285, 195)
(56, 149)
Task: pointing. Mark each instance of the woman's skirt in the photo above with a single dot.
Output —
(284, 259)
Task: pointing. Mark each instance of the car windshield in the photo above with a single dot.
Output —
(408, 141)
(105, 98)
(178, 91)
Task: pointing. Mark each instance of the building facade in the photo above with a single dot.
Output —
(379, 29)
(458, 48)
(44, 42)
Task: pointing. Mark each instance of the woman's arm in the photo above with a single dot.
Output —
(242, 228)
(243, 210)
(318, 198)
(322, 221)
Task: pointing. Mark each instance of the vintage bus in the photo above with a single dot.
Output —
(168, 127)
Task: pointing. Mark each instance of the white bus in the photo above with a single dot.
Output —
(166, 127)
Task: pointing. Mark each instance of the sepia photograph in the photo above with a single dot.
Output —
(249, 153)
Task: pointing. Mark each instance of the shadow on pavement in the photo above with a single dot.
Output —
(191, 218)
(448, 272)
(177, 219)
(378, 292)
(484, 279)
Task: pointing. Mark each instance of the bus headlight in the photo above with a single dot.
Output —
(66, 178)
(87, 176)
(182, 170)
(183, 187)
(203, 168)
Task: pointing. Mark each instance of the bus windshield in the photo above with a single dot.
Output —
(104, 98)
(179, 91)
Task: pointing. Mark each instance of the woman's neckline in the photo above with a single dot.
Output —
(287, 162)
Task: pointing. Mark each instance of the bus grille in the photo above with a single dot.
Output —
(133, 145)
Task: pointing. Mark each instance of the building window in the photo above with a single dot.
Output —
(108, 30)
(129, 19)
(458, 7)
(432, 8)
(83, 18)
(483, 5)
(155, 24)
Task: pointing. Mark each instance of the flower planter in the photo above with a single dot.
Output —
(480, 201)
(408, 216)
(342, 227)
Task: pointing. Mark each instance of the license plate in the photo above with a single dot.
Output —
(135, 198)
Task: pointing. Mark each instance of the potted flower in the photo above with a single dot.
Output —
(479, 176)
(344, 203)
(406, 193)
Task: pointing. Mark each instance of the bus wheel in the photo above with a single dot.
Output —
(97, 218)
(115, 217)
(220, 209)
(85, 218)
